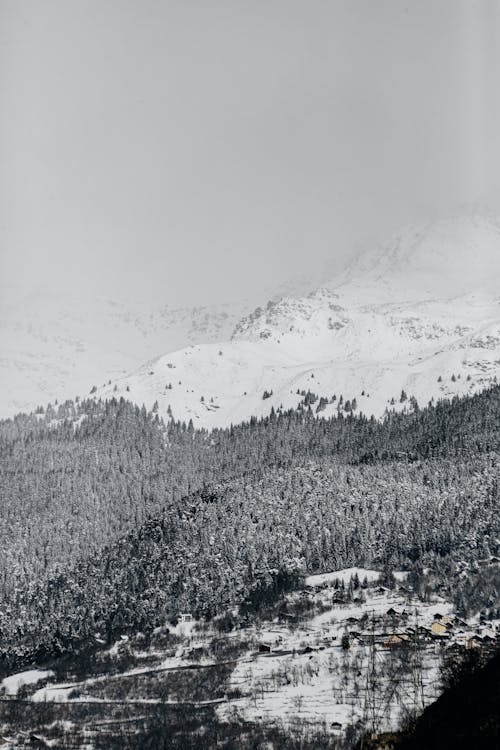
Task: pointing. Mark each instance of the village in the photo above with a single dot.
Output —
(401, 624)
(342, 653)
(367, 655)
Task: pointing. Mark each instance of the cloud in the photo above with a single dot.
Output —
(196, 150)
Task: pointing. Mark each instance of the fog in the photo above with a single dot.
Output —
(188, 152)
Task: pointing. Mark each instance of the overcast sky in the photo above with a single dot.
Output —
(199, 150)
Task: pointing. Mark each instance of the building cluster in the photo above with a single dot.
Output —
(395, 629)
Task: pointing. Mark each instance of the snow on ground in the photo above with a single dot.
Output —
(379, 604)
(55, 344)
(287, 689)
(299, 670)
(12, 684)
(445, 258)
(347, 574)
(56, 693)
(308, 675)
(400, 575)
(398, 320)
(222, 384)
(61, 692)
(343, 576)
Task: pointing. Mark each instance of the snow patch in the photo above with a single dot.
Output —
(343, 576)
(12, 684)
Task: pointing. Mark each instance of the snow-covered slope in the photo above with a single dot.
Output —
(55, 345)
(441, 260)
(421, 315)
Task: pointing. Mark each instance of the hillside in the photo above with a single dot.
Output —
(213, 682)
(438, 260)
(465, 716)
(116, 525)
(420, 315)
(97, 498)
(55, 345)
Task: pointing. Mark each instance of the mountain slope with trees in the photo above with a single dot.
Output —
(113, 521)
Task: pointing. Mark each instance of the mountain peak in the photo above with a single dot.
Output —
(439, 260)
(313, 314)
(419, 315)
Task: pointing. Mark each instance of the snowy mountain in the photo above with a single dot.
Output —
(55, 345)
(440, 260)
(420, 315)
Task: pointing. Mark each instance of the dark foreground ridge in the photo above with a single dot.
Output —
(465, 717)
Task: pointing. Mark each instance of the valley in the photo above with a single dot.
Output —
(342, 655)
(283, 534)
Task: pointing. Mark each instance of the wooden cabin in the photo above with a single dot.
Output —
(439, 628)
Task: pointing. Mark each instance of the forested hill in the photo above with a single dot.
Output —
(448, 428)
(112, 520)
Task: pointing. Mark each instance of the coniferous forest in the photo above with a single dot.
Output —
(113, 522)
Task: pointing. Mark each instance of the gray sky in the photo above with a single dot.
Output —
(192, 150)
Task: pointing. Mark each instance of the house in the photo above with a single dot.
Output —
(356, 638)
(395, 640)
(473, 642)
(488, 636)
(438, 628)
(492, 625)
(186, 617)
(424, 633)
(265, 648)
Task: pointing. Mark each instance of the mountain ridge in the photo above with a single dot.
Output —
(411, 318)
(422, 254)
(375, 340)
(77, 343)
